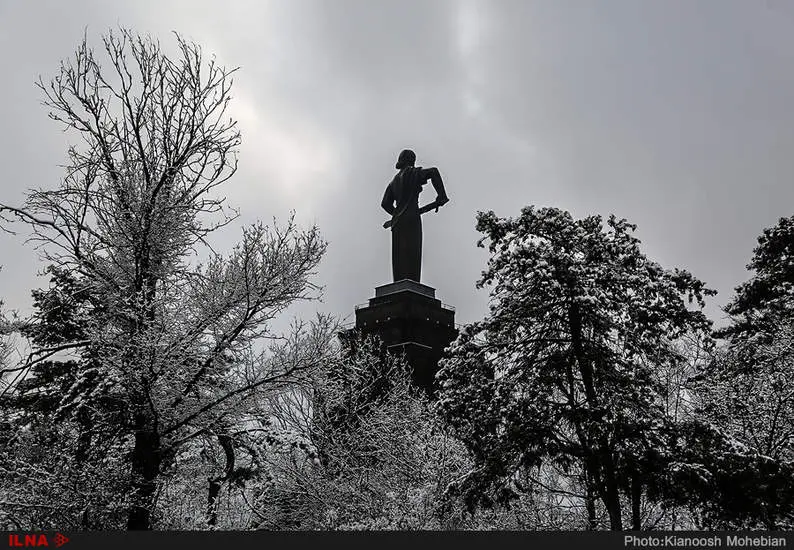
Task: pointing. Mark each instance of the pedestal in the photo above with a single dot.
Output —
(408, 318)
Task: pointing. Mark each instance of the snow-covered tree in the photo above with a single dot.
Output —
(747, 393)
(225, 468)
(767, 298)
(360, 448)
(166, 346)
(564, 369)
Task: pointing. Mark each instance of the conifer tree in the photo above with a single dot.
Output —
(563, 369)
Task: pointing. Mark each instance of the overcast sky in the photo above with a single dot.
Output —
(677, 115)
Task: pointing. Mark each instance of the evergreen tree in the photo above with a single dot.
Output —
(564, 368)
(767, 298)
(747, 391)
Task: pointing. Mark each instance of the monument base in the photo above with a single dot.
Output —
(409, 319)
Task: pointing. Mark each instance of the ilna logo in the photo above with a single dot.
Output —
(16, 540)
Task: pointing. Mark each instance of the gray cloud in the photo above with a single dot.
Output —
(673, 114)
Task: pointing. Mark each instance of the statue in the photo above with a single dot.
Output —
(401, 200)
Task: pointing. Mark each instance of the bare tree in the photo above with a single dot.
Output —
(358, 448)
(172, 345)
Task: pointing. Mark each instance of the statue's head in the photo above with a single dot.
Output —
(406, 158)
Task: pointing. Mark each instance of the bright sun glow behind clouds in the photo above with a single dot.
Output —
(282, 152)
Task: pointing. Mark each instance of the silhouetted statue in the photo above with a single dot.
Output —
(401, 200)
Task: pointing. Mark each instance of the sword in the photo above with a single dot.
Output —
(426, 208)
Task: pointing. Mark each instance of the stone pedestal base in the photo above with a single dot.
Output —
(409, 319)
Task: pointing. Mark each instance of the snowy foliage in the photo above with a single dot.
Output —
(147, 390)
(564, 369)
(164, 351)
(767, 298)
(382, 460)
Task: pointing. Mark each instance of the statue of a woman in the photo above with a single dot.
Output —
(401, 200)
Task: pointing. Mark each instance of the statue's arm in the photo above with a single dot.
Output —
(435, 179)
(388, 200)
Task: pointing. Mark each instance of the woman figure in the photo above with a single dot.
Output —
(401, 200)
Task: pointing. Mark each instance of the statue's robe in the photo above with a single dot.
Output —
(406, 229)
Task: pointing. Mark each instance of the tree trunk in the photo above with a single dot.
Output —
(585, 366)
(216, 482)
(84, 439)
(613, 493)
(146, 457)
(612, 497)
(145, 470)
(85, 522)
(212, 502)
